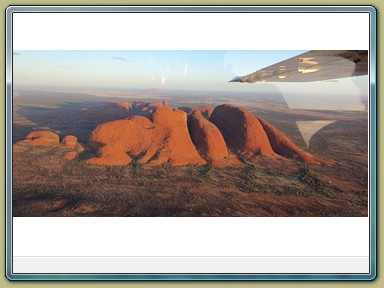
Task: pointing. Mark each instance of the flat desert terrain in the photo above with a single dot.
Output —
(47, 185)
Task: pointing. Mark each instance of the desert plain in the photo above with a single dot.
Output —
(55, 180)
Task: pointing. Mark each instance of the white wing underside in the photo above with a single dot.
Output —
(315, 65)
(310, 128)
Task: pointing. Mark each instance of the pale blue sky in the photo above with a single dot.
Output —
(196, 69)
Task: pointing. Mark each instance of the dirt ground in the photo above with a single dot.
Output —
(46, 185)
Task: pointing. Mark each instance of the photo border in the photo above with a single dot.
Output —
(193, 9)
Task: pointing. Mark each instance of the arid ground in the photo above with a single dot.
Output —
(46, 185)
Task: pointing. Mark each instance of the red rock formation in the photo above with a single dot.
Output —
(162, 136)
(205, 110)
(165, 139)
(110, 155)
(152, 107)
(70, 155)
(68, 149)
(242, 132)
(125, 105)
(138, 105)
(248, 135)
(206, 137)
(119, 110)
(155, 104)
(70, 141)
(178, 142)
(142, 121)
(43, 138)
(283, 146)
(154, 133)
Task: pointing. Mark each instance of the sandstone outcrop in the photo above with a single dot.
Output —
(165, 136)
(156, 133)
(70, 141)
(248, 135)
(111, 111)
(242, 132)
(178, 142)
(42, 138)
(155, 104)
(125, 105)
(283, 146)
(206, 137)
(70, 155)
(68, 148)
(206, 111)
(165, 139)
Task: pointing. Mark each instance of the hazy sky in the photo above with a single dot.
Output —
(196, 69)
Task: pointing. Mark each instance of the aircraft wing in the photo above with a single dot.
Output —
(314, 65)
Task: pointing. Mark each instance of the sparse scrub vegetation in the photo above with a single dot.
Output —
(257, 180)
(249, 180)
(305, 176)
(316, 185)
(137, 169)
(45, 185)
(203, 173)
